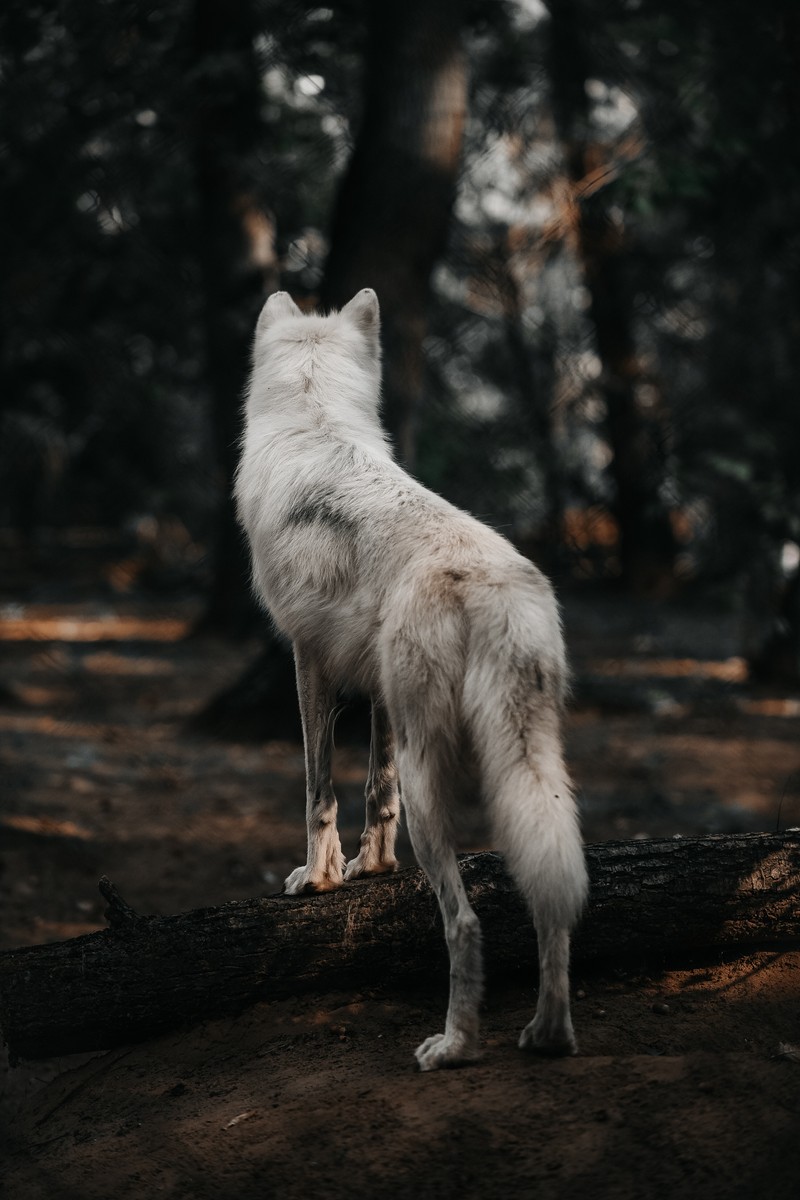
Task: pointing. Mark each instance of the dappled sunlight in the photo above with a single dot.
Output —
(39, 697)
(44, 826)
(62, 931)
(79, 628)
(751, 976)
(50, 726)
(763, 878)
(770, 706)
(731, 670)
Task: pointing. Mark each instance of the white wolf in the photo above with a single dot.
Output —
(382, 585)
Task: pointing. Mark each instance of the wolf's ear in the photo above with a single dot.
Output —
(364, 312)
(279, 304)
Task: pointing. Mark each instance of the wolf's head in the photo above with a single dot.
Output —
(328, 363)
(360, 314)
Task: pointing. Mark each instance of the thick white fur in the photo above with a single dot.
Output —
(383, 585)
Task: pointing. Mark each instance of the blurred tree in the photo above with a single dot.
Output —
(647, 545)
(721, 188)
(236, 253)
(752, 204)
(144, 151)
(99, 346)
(393, 207)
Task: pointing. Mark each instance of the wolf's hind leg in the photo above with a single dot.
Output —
(324, 861)
(550, 1031)
(376, 856)
(433, 846)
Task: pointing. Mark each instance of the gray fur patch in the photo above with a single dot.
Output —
(321, 510)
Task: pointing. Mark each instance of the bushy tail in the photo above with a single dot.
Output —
(536, 826)
(512, 701)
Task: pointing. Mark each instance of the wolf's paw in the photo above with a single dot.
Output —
(555, 1043)
(446, 1050)
(307, 879)
(369, 864)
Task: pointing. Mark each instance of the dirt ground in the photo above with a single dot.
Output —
(688, 1080)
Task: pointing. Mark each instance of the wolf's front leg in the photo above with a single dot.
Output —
(376, 856)
(324, 861)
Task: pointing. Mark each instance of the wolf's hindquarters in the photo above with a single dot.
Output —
(513, 691)
(505, 698)
(535, 823)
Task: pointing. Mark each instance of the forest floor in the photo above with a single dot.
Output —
(688, 1077)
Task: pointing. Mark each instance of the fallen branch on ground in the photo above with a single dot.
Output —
(653, 899)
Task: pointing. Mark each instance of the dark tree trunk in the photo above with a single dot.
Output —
(647, 543)
(534, 374)
(233, 247)
(393, 207)
(771, 635)
(653, 900)
(754, 362)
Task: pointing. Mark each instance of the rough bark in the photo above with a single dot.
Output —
(653, 900)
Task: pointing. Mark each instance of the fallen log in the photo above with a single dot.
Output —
(651, 900)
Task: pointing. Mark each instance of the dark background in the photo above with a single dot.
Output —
(581, 220)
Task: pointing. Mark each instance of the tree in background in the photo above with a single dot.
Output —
(602, 244)
(235, 252)
(717, 192)
(750, 436)
(393, 207)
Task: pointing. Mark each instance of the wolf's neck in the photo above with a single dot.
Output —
(316, 406)
(299, 424)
